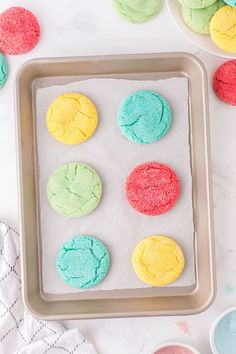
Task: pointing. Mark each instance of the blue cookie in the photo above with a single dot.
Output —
(230, 2)
(83, 262)
(3, 70)
(144, 117)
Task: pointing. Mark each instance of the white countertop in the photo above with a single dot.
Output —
(78, 27)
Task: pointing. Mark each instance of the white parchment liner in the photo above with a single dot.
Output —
(113, 157)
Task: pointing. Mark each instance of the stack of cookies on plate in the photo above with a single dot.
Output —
(216, 18)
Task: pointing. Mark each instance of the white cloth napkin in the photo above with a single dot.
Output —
(20, 332)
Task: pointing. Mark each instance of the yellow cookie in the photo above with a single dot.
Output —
(223, 28)
(72, 118)
(158, 260)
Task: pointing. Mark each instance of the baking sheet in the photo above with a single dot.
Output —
(114, 221)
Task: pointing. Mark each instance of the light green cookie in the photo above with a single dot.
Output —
(83, 262)
(137, 11)
(197, 4)
(74, 190)
(198, 20)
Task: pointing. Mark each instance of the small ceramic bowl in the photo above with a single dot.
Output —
(200, 40)
(214, 325)
(169, 344)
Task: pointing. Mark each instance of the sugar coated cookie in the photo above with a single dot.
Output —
(224, 82)
(137, 11)
(83, 262)
(158, 260)
(3, 70)
(144, 117)
(72, 118)
(198, 20)
(223, 28)
(197, 4)
(230, 2)
(19, 31)
(152, 188)
(74, 189)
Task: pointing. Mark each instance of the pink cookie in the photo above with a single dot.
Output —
(19, 31)
(224, 82)
(152, 188)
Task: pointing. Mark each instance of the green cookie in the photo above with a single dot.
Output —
(198, 20)
(74, 190)
(83, 262)
(197, 4)
(137, 11)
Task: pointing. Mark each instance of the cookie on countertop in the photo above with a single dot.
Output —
(197, 4)
(137, 11)
(74, 190)
(223, 28)
(19, 31)
(224, 82)
(152, 188)
(3, 70)
(72, 118)
(83, 262)
(158, 260)
(198, 20)
(144, 117)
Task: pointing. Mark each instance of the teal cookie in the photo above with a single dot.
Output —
(197, 4)
(3, 70)
(83, 262)
(137, 11)
(198, 20)
(74, 189)
(230, 2)
(144, 117)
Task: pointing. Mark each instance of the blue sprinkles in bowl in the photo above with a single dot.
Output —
(224, 333)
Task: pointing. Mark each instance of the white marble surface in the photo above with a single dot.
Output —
(79, 27)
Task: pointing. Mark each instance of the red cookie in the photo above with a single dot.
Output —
(224, 82)
(19, 31)
(152, 188)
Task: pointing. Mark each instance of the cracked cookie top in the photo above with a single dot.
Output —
(197, 4)
(137, 11)
(19, 31)
(198, 20)
(223, 28)
(144, 117)
(152, 188)
(72, 118)
(158, 260)
(74, 189)
(83, 262)
(224, 82)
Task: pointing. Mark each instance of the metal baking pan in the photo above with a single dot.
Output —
(115, 303)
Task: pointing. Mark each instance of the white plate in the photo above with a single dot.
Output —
(200, 40)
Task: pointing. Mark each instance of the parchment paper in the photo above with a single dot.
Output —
(113, 157)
